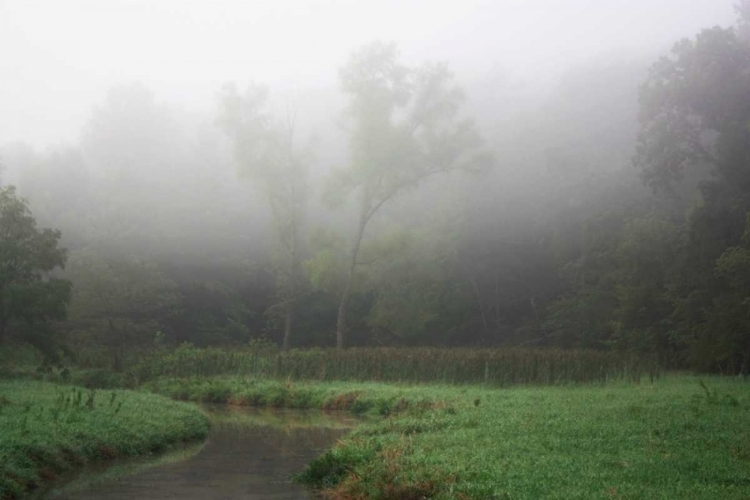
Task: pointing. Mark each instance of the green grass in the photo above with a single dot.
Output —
(46, 429)
(673, 439)
(97, 378)
(669, 440)
(359, 398)
(676, 438)
(235, 416)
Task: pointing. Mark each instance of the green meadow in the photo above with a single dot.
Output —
(677, 438)
(523, 424)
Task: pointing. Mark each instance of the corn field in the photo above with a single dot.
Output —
(497, 367)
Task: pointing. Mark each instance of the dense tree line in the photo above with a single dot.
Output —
(616, 215)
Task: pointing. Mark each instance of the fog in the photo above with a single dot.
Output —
(310, 172)
(59, 58)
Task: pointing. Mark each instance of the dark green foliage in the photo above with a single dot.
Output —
(328, 470)
(648, 278)
(619, 289)
(695, 115)
(119, 303)
(98, 379)
(31, 298)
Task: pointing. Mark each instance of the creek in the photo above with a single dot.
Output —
(249, 454)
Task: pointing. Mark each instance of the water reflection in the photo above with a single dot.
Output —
(249, 454)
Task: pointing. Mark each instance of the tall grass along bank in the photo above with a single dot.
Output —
(496, 367)
(356, 397)
(47, 429)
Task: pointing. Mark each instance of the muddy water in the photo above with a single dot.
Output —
(249, 454)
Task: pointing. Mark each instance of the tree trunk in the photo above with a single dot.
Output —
(293, 269)
(480, 303)
(288, 324)
(116, 360)
(3, 320)
(341, 318)
(116, 344)
(341, 326)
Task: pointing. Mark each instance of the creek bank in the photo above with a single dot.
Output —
(675, 438)
(249, 453)
(47, 430)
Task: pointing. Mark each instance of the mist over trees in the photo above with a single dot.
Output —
(391, 155)
(268, 155)
(410, 206)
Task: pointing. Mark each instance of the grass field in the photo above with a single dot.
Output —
(678, 438)
(582, 437)
(46, 429)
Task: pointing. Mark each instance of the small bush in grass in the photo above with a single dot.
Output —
(98, 378)
(333, 466)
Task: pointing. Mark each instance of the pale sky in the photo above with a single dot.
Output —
(58, 57)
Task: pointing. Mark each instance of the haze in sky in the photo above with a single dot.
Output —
(59, 57)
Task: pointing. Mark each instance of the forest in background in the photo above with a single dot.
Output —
(610, 215)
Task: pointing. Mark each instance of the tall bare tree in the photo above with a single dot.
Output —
(266, 151)
(405, 127)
